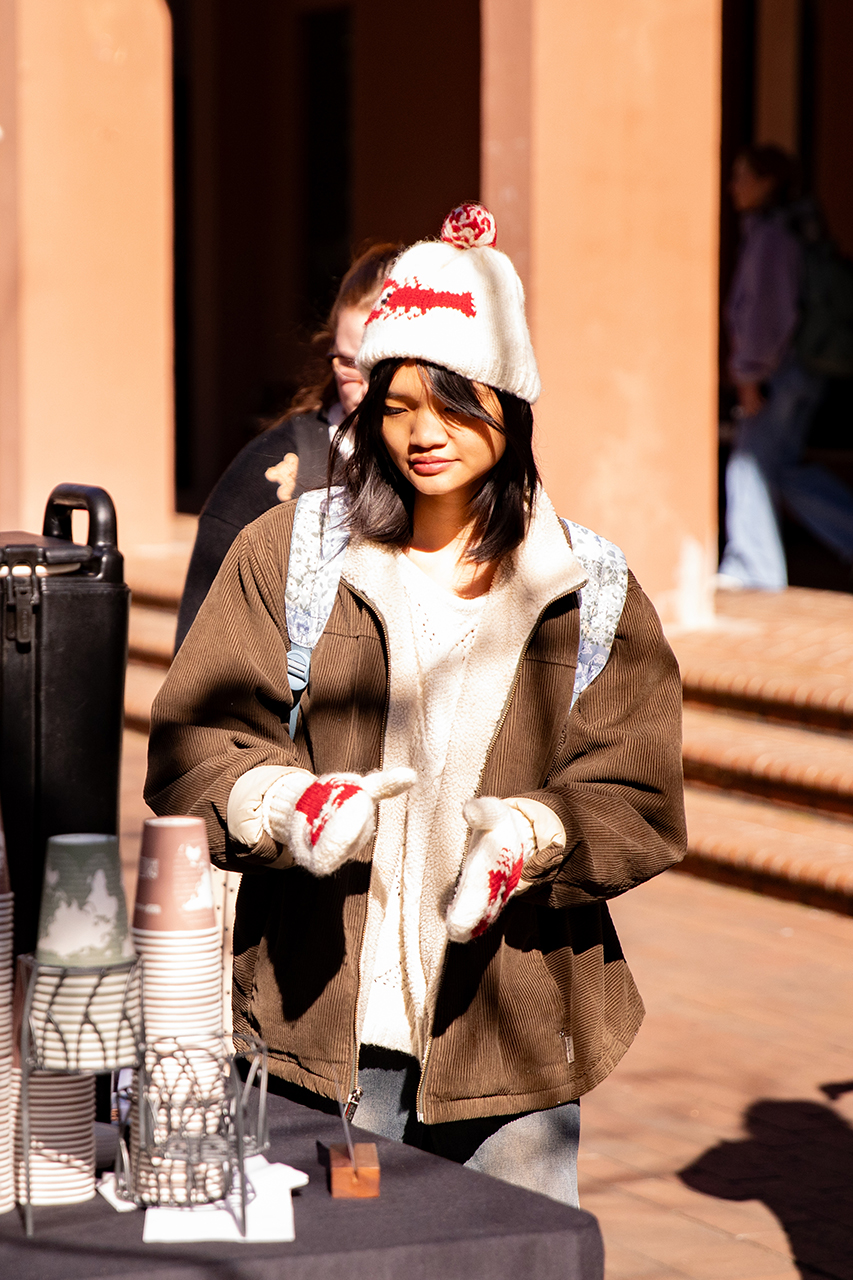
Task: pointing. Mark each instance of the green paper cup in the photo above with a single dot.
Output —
(83, 920)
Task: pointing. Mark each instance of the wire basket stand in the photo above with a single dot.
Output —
(76, 1021)
(195, 1114)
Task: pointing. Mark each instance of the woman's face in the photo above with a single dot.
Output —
(748, 190)
(438, 450)
(351, 386)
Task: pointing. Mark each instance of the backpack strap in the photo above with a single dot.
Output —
(316, 560)
(601, 601)
(317, 547)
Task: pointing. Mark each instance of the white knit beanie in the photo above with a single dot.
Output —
(457, 302)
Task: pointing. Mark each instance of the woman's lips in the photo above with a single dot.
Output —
(430, 466)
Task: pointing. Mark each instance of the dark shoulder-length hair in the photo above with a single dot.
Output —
(381, 500)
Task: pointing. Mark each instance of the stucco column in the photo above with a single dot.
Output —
(601, 161)
(86, 258)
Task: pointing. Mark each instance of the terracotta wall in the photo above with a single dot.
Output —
(601, 161)
(85, 258)
(405, 115)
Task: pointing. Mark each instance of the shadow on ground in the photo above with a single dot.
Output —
(798, 1160)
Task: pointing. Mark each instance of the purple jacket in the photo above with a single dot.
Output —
(763, 304)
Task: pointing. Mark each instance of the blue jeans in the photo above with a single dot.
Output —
(537, 1149)
(764, 470)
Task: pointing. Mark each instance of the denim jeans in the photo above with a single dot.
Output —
(764, 471)
(537, 1149)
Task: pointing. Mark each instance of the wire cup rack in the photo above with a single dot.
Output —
(75, 1021)
(194, 1116)
(193, 1109)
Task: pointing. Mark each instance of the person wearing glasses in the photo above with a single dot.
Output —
(292, 455)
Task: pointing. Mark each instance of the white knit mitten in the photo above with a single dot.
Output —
(501, 841)
(328, 820)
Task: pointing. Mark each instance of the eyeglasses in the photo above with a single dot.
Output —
(342, 362)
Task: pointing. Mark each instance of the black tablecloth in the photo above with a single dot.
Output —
(433, 1221)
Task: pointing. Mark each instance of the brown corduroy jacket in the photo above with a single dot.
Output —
(540, 1008)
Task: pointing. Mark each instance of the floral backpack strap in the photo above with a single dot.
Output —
(317, 547)
(601, 601)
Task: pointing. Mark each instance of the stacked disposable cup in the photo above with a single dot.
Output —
(7, 1128)
(182, 1092)
(176, 935)
(175, 931)
(83, 917)
(85, 1021)
(62, 1138)
(79, 1020)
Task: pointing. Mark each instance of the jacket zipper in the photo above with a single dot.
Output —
(356, 1093)
(419, 1105)
(419, 1095)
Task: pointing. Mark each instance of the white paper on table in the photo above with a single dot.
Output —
(107, 1188)
(269, 1213)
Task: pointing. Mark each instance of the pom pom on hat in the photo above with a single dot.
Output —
(469, 226)
(458, 303)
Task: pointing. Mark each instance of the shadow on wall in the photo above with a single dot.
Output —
(798, 1160)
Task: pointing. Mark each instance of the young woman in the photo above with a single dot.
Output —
(487, 750)
(291, 455)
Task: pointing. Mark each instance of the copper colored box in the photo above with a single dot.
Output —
(361, 1183)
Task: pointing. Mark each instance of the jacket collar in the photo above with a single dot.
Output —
(541, 569)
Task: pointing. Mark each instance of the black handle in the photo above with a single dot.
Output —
(65, 498)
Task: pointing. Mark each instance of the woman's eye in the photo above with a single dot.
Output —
(391, 411)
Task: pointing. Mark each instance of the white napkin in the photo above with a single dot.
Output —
(107, 1188)
(269, 1213)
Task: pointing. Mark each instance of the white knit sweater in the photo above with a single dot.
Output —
(444, 627)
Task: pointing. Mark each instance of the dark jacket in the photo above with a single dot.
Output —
(763, 306)
(540, 1008)
(244, 492)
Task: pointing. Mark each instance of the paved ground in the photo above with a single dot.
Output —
(712, 1151)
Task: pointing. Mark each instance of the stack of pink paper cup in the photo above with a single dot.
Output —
(175, 932)
(7, 1128)
(176, 935)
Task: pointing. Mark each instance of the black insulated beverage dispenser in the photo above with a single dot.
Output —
(65, 610)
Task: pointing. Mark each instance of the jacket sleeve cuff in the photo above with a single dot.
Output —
(549, 833)
(244, 814)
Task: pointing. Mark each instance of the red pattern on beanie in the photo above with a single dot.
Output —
(415, 298)
(319, 801)
(469, 226)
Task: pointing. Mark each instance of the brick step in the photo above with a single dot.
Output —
(759, 846)
(143, 683)
(152, 635)
(156, 576)
(792, 766)
(785, 656)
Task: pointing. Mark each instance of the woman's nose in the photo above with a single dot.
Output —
(428, 429)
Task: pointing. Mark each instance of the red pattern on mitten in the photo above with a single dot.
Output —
(327, 821)
(319, 801)
(501, 841)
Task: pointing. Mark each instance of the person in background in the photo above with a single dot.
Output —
(292, 455)
(777, 396)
